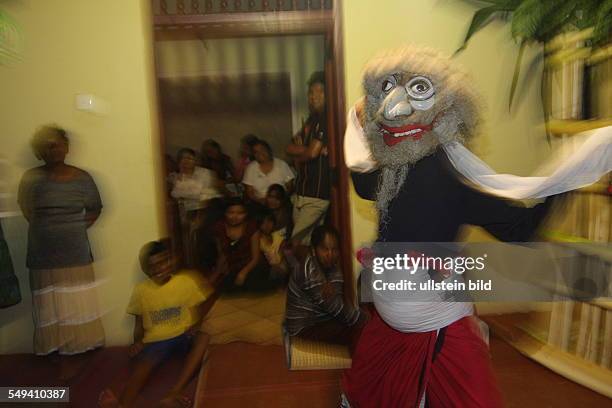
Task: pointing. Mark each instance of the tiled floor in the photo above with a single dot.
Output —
(252, 318)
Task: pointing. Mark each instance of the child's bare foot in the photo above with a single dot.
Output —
(175, 401)
(108, 399)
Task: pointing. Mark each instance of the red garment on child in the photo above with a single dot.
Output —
(392, 369)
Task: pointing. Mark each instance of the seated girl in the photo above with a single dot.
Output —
(240, 263)
(316, 308)
(271, 243)
(277, 202)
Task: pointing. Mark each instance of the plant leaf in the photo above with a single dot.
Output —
(586, 13)
(483, 16)
(480, 19)
(517, 71)
(529, 17)
(603, 22)
(556, 20)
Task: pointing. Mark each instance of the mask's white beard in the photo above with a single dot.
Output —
(446, 127)
(391, 182)
(393, 176)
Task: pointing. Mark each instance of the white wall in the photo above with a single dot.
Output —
(103, 48)
(510, 142)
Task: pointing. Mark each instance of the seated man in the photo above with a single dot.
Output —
(168, 309)
(316, 308)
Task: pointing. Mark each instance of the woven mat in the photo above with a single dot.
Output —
(313, 355)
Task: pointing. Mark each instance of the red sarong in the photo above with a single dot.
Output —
(393, 369)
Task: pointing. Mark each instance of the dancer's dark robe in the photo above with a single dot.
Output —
(452, 365)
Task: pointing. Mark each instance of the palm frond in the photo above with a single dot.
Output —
(482, 17)
(586, 13)
(529, 16)
(543, 20)
(557, 19)
(517, 71)
(603, 22)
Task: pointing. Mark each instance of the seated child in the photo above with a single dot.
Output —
(271, 244)
(240, 265)
(168, 308)
(277, 202)
(316, 308)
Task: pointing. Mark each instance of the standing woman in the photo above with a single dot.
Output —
(60, 202)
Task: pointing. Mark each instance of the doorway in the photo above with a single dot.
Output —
(250, 27)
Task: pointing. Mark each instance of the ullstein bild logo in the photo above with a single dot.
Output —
(432, 286)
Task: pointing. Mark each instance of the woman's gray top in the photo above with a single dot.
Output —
(57, 235)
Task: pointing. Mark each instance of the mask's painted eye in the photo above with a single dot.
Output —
(388, 84)
(420, 88)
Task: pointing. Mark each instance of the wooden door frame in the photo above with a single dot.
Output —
(326, 22)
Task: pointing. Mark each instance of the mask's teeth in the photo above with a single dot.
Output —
(407, 133)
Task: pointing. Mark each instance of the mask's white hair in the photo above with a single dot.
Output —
(455, 90)
(456, 110)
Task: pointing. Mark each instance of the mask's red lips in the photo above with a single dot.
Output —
(395, 135)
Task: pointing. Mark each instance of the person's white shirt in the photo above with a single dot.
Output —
(193, 190)
(280, 174)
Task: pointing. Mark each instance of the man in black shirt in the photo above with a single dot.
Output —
(309, 152)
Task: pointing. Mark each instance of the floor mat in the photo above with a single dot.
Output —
(316, 355)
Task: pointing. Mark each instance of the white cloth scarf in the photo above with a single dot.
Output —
(584, 166)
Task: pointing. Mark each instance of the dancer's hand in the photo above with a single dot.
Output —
(360, 111)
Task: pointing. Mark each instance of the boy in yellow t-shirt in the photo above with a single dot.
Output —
(168, 309)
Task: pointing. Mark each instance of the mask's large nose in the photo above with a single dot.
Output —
(396, 104)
